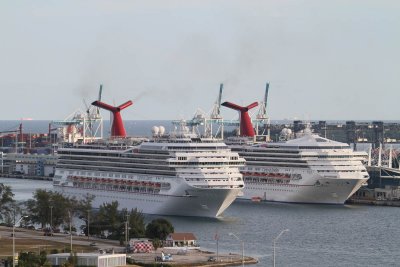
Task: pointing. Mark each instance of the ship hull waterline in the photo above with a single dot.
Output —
(330, 191)
(199, 203)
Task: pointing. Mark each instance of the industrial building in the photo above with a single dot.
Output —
(28, 164)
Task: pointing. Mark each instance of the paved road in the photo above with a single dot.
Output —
(20, 234)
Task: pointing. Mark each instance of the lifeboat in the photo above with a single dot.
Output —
(256, 199)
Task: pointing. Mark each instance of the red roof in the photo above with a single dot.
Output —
(182, 236)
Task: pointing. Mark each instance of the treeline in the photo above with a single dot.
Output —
(7, 205)
(52, 209)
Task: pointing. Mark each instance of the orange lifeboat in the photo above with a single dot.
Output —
(256, 199)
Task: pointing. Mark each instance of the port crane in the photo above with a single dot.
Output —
(200, 118)
(16, 130)
(81, 126)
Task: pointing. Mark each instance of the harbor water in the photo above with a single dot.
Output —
(319, 235)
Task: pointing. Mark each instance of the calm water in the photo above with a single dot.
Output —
(320, 235)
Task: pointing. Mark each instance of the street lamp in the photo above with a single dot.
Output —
(13, 234)
(241, 241)
(88, 225)
(51, 220)
(276, 239)
(70, 229)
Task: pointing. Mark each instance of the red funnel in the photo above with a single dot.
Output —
(117, 127)
(246, 128)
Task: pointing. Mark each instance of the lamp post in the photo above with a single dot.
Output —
(127, 233)
(276, 239)
(51, 220)
(241, 241)
(70, 229)
(13, 234)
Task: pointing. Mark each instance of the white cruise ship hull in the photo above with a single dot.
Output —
(307, 169)
(328, 191)
(200, 202)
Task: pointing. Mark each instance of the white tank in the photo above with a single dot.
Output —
(155, 130)
(286, 131)
(161, 130)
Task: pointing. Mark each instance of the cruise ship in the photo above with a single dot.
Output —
(308, 169)
(171, 174)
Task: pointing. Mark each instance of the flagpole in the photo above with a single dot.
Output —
(217, 238)
(217, 251)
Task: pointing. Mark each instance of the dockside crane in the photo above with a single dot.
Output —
(17, 129)
(81, 126)
(262, 116)
(216, 112)
(215, 116)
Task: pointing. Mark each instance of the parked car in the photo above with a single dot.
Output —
(47, 231)
(29, 227)
(211, 259)
(167, 257)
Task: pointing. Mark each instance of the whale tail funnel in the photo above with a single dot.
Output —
(117, 126)
(246, 127)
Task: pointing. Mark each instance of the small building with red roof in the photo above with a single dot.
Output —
(181, 240)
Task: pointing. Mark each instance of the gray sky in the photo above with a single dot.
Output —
(324, 59)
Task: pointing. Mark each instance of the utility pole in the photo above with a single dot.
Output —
(70, 229)
(126, 232)
(88, 224)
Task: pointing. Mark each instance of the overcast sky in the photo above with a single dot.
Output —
(323, 59)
